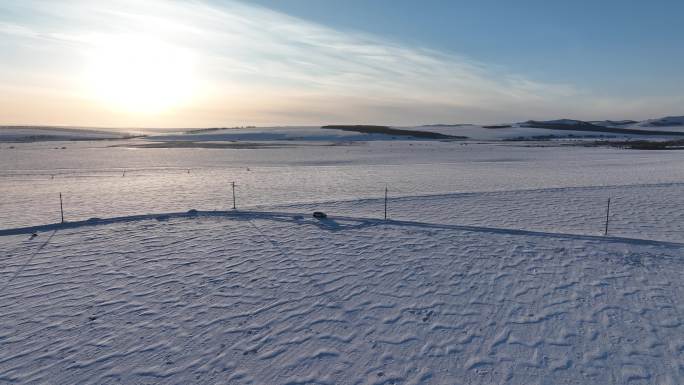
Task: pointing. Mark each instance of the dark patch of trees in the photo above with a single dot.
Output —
(368, 129)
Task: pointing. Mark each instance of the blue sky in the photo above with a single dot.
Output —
(608, 45)
(169, 63)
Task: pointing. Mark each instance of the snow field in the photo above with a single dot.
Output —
(493, 268)
(284, 299)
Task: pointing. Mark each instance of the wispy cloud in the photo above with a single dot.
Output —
(255, 65)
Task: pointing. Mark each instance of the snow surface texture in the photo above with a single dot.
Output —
(493, 268)
(280, 299)
(546, 189)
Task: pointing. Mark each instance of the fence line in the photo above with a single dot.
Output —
(539, 209)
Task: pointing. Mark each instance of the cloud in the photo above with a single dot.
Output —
(258, 66)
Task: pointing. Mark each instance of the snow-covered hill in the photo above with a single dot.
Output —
(530, 130)
(48, 133)
(295, 133)
(669, 121)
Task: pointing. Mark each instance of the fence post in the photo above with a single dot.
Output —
(607, 218)
(233, 185)
(385, 202)
(61, 207)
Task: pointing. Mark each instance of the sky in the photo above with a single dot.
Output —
(209, 63)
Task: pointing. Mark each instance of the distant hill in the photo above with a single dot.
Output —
(613, 123)
(668, 121)
(448, 125)
(367, 129)
(579, 125)
(54, 133)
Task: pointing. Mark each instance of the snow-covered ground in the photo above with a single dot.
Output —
(492, 269)
(472, 132)
(293, 133)
(277, 299)
(505, 131)
(37, 133)
(522, 131)
(563, 188)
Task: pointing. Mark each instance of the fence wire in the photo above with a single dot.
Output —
(642, 211)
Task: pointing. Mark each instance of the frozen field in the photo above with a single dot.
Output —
(277, 299)
(493, 268)
(543, 188)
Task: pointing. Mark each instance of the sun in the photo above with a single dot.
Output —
(140, 74)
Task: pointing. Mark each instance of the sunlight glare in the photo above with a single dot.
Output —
(141, 74)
